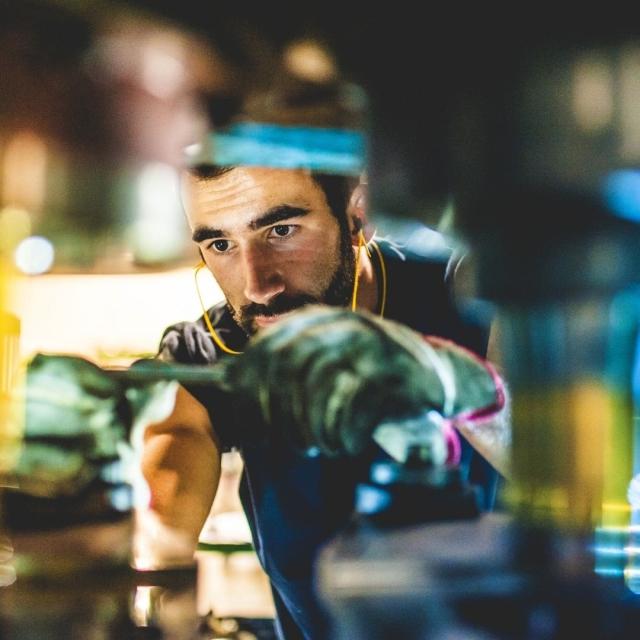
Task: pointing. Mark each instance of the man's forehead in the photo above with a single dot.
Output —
(251, 189)
(254, 178)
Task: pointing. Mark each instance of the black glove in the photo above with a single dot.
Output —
(187, 342)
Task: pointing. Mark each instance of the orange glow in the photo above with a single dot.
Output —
(24, 171)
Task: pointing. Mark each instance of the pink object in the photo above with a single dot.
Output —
(477, 415)
(454, 448)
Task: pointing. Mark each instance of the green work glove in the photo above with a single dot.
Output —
(80, 423)
(325, 379)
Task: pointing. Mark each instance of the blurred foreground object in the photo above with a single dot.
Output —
(71, 476)
(79, 458)
(11, 415)
(535, 138)
(11, 407)
(11, 410)
(544, 160)
(72, 509)
(100, 104)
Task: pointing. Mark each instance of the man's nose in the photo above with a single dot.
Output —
(262, 277)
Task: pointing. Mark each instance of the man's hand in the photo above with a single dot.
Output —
(326, 378)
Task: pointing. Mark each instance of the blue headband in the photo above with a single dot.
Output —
(336, 151)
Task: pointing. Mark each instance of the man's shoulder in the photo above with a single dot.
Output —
(426, 292)
(414, 269)
(429, 249)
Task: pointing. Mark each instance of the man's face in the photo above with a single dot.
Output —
(271, 242)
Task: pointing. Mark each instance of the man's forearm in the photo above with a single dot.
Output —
(181, 464)
(182, 472)
(491, 438)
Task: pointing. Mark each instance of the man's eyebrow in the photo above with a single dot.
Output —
(271, 216)
(277, 214)
(202, 232)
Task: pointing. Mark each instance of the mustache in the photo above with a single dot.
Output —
(281, 304)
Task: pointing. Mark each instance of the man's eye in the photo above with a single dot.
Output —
(220, 245)
(282, 230)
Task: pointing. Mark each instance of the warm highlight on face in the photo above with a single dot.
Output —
(271, 241)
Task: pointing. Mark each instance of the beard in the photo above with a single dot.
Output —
(338, 293)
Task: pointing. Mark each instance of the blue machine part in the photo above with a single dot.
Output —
(621, 193)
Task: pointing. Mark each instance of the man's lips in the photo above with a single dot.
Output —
(266, 321)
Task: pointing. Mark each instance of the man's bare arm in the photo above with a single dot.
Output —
(181, 464)
(492, 438)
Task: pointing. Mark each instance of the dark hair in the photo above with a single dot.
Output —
(336, 188)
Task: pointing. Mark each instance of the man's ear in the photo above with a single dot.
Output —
(358, 201)
(357, 210)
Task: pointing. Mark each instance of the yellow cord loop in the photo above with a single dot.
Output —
(383, 279)
(354, 297)
(216, 338)
(356, 279)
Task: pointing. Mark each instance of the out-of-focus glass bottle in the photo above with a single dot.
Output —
(93, 162)
(571, 366)
(572, 413)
